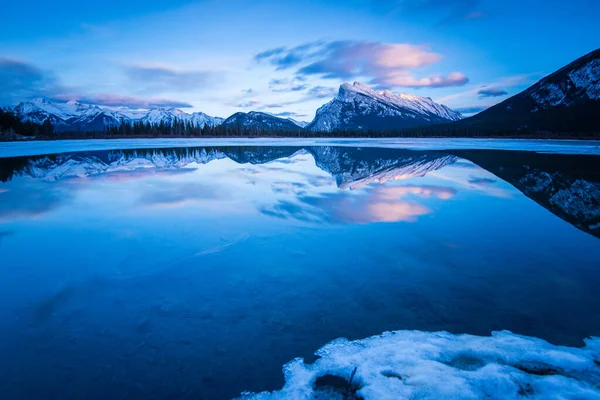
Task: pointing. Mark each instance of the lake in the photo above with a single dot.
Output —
(197, 272)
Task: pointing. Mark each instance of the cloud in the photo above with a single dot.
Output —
(286, 85)
(492, 92)
(443, 11)
(471, 110)
(384, 63)
(405, 79)
(321, 92)
(22, 80)
(132, 102)
(289, 114)
(166, 79)
(249, 104)
(481, 181)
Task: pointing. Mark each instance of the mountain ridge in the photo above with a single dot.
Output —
(567, 100)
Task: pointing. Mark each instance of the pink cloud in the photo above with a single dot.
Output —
(406, 79)
(386, 64)
(403, 55)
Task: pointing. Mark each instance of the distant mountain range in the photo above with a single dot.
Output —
(565, 101)
(75, 116)
(356, 107)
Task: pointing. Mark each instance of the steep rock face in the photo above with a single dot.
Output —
(358, 107)
(566, 101)
(260, 121)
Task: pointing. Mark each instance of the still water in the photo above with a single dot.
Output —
(196, 273)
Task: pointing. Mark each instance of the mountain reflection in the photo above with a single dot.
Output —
(566, 185)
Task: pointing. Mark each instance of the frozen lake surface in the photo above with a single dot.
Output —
(16, 149)
(198, 272)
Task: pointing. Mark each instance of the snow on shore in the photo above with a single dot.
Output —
(422, 365)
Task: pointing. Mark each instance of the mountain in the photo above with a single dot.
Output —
(566, 101)
(358, 107)
(68, 116)
(169, 115)
(260, 121)
(301, 124)
(75, 116)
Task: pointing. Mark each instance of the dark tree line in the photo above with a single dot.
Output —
(11, 128)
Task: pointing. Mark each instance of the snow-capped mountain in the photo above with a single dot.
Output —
(566, 101)
(260, 121)
(169, 115)
(358, 107)
(75, 116)
(69, 116)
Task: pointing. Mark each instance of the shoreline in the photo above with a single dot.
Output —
(47, 147)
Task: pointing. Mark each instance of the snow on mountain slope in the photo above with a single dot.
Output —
(572, 84)
(69, 116)
(567, 100)
(358, 107)
(76, 116)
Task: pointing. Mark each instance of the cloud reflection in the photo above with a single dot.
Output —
(376, 204)
(175, 194)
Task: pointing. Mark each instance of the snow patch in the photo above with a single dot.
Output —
(422, 365)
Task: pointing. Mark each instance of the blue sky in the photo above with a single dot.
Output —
(286, 58)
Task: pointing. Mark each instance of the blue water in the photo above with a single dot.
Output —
(128, 276)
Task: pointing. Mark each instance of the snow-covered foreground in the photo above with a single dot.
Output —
(422, 365)
(16, 149)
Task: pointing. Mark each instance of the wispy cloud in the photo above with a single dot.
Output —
(406, 79)
(158, 79)
(443, 12)
(470, 110)
(287, 85)
(131, 102)
(290, 114)
(492, 92)
(23, 80)
(382, 63)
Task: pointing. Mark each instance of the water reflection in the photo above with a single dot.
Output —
(566, 185)
(198, 272)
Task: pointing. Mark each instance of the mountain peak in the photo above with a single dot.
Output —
(39, 100)
(359, 107)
